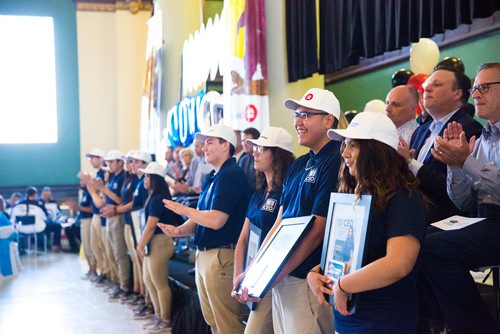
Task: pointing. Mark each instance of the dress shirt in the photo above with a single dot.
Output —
(478, 182)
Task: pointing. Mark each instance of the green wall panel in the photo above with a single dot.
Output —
(354, 92)
(49, 164)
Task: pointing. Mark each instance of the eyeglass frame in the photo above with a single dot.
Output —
(483, 88)
(258, 149)
(304, 115)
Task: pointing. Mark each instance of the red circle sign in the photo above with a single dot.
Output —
(250, 113)
(309, 97)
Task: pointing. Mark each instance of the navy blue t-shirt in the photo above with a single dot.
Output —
(262, 211)
(115, 184)
(101, 175)
(140, 195)
(85, 201)
(155, 208)
(228, 192)
(127, 195)
(392, 309)
(309, 182)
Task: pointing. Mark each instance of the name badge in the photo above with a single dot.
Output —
(270, 205)
(311, 176)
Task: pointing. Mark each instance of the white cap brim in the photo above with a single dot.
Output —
(266, 143)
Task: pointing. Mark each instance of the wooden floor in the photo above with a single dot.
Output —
(48, 297)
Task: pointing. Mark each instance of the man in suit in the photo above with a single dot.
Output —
(473, 184)
(446, 92)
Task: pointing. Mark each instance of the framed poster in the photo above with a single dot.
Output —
(264, 269)
(345, 236)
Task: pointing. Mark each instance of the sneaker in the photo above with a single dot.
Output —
(95, 277)
(118, 295)
(112, 289)
(130, 297)
(151, 323)
(145, 313)
(139, 306)
(163, 326)
(100, 281)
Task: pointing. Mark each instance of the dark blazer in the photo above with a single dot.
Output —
(432, 175)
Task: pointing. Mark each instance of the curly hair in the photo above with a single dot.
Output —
(282, 159)
(380, 171)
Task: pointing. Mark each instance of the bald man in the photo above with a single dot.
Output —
(401, 107)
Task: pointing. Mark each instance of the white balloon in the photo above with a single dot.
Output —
(424, 55)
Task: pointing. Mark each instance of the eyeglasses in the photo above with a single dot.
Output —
(259, 149)
(304, 115)
(482, 88)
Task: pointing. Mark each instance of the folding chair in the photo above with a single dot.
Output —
(29, 221)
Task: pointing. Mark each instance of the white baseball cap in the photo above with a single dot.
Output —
(274, 137)
(128, 155)
(369, 125)
(114, 155)
(154, 168)
(219, 131)
(318, 99)
(141, 155)
(375, 105)
(95, 152)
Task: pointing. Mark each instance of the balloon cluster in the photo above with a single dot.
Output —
(424, 58)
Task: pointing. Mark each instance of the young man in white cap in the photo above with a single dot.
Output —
(216, 225)
(115, 224)
(97, 225)
(310, 180)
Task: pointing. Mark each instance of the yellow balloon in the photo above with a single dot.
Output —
(424, 55)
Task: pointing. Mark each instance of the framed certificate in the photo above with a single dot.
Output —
(266, 266)
(345, 236)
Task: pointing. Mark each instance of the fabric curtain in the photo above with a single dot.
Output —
(354, 29)
(301, 39)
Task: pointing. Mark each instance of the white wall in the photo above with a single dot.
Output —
(111, 63)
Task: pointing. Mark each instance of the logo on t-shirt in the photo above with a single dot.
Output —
(311, 176)
(115, 185)
(270, 205)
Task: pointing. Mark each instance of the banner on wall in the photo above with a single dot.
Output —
(150, 129)
(246, 94)
(185, 119)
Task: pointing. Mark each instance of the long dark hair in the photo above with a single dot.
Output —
(157, 186)
(380, 171)
(282, 159)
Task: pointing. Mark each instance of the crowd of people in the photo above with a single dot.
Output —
(415, 278)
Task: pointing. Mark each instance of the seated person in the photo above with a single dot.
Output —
(55, 217)
(473, 183)
(31, 206)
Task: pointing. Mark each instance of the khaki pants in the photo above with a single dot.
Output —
(136, 266)
(108, 247)
(296, 310)
(85, 237)
(97, 244)
(261, 320)
(156, 274)
(115, 227)
(214, 280)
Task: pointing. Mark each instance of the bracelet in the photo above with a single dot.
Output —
(340, 287)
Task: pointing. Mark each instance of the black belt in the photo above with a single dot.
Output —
(204, 249)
